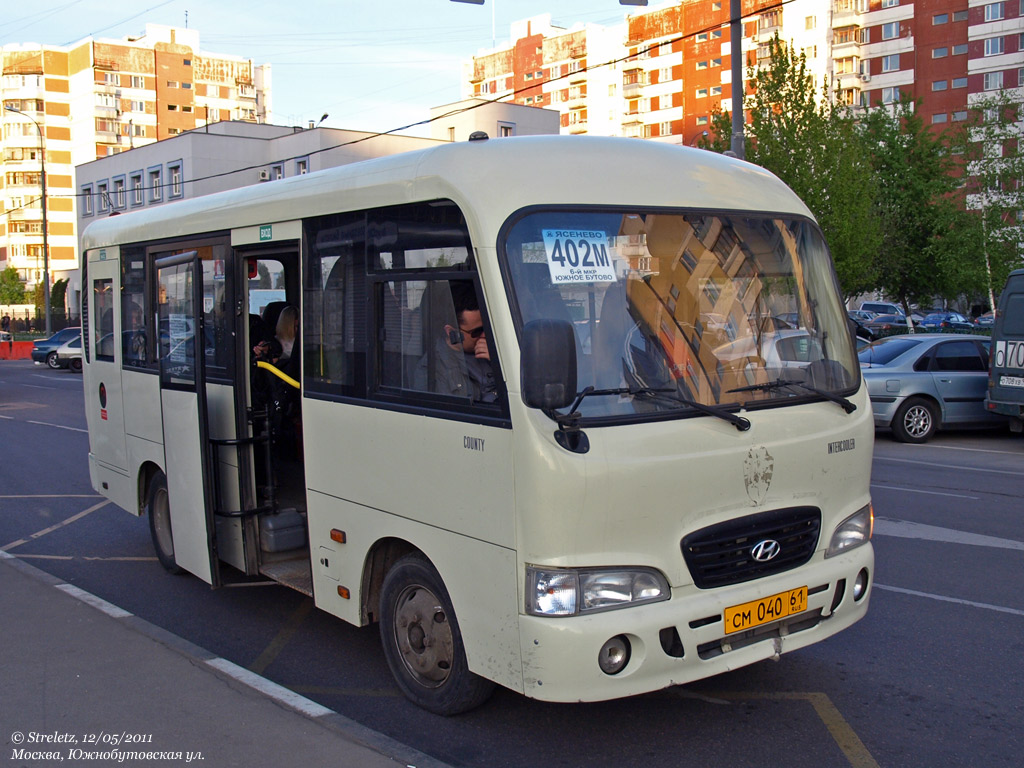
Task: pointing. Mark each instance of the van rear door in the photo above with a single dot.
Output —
(1006, 374)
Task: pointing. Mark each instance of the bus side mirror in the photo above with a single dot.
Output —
(548, 364)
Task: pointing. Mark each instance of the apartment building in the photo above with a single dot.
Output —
(67, 105)
(663, 72)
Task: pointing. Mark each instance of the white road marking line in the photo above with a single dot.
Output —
(58, 426)
(959, 467)
(908, 530)
(268, 688)
(957, 600)
(930, 493)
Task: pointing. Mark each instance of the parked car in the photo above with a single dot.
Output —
(883, 324)
(69, 355)
(920, 383)
(985, 321)
(946, 321)
(862, 315)
(882, 308)
(45, 350)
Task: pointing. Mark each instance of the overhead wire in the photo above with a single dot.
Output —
(461, 110)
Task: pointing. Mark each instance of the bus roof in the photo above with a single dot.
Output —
(488, 179)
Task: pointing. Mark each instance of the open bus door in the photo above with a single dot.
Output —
(182, 353)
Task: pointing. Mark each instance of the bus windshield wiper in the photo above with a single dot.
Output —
(739, 422)
(846, 405)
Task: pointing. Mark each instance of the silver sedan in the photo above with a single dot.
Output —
(920, 383)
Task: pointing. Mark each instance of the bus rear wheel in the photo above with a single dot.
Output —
(422, 642)
(158, 510)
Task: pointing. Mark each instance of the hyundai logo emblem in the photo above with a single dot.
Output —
(765, 550)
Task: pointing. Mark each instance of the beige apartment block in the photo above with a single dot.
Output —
(68, 105)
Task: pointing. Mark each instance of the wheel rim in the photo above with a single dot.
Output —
(161, 513)
(423, 636)
(51, 360)
(918, 421)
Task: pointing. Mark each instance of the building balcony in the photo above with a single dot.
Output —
(631, 91)
(580, 127)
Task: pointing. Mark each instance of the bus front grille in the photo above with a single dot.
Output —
(723, 554)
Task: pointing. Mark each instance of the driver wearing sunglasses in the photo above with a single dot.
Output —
(463, 365)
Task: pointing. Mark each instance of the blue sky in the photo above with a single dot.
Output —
(371, 65)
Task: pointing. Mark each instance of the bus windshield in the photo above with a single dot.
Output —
(673, 309)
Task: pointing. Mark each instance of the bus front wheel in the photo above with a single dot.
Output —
(422, 642)
(158, 510)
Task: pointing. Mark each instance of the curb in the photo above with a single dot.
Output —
(226, 670)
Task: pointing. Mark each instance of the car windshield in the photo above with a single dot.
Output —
(884, 351)
(670, 307)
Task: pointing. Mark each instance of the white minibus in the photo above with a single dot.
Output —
(541, 418)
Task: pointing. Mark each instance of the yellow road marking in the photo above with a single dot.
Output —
(277, 645)
(53, 528)
(845, 737)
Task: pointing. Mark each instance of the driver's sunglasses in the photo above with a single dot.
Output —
(476, 333)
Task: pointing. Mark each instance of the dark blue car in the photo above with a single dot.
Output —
(45, 350)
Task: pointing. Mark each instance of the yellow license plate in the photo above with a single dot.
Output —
(765, 610)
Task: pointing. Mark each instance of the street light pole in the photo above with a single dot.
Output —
(46, 249)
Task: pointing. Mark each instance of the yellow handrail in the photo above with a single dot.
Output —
(279, 373)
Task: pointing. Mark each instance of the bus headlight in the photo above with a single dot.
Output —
(568, 591)
(852, 532)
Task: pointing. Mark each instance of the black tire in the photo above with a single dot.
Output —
(75, 364)
(916, 421)
(52, 361)
(158, 510)
(422, 642)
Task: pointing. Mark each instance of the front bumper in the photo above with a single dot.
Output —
(560, 655)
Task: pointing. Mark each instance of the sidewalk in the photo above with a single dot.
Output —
(73, 665)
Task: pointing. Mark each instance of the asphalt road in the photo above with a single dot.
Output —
(932, 677)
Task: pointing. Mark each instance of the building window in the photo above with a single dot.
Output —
(174, 172)
(302, 166)
(702, 93)
(186, 108)
(960, 50)
(940, 53)
(891, 63)
(940, 85)
(506, 129)
(119, 200)
(959, 117)
(940, 18)
(702, 65)
(811, 22)
(186, 62)
(939, 118)
(172, 83)
(86, 199)
(716, 90)
(994, 46)
(994, 11)
(665, 129)
(156, 184)
(959, 15)
(993, 81)
(277, 172)
(701, 37)
(135, 182)
(890, 30)
(890, 95)
(172, 107)
(890, 3)
(187, 86)
(959, 82)
(102, 198)
(702, 120)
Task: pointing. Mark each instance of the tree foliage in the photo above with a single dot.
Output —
(927, 236)
(12, 291)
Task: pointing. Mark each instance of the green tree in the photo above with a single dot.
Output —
(924, 248)
(12, 291)
(990, 147)
(798, 134)
(58, 292)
